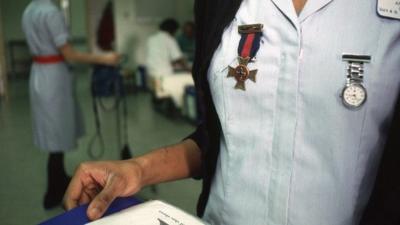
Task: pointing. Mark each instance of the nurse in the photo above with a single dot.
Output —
(57, 122)
(297, 99)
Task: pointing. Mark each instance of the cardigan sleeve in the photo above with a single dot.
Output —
(383, 206)
(199, 136)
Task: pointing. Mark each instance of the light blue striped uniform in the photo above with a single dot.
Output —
(56, 115)
(291, 152)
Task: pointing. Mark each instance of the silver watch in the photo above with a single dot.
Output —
(354, 94)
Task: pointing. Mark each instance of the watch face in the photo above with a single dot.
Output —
(354, 96)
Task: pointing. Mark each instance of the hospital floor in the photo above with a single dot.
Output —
(23, 166)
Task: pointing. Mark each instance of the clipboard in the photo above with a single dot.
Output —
(78, 216)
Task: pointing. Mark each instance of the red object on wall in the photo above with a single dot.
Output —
(106, 29)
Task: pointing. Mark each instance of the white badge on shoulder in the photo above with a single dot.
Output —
(389, 8)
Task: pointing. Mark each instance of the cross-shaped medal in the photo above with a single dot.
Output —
(247, 50)
(241, 73)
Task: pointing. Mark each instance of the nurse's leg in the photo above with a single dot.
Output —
(57, 180)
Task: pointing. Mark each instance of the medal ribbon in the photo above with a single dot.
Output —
(249, 44)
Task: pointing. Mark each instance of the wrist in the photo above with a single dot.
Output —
(100, 59)
(141, 166)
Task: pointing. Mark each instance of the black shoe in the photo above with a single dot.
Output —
(55, 193)
(126, 152)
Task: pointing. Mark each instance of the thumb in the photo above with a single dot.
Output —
(103, 200)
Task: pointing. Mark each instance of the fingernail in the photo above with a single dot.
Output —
(94, 212)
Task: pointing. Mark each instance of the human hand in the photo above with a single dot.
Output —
(99, 183)
(111, 58)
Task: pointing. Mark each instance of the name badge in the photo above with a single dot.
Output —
(389, 8)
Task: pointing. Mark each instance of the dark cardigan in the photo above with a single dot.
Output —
(211, 17)
(384, 205)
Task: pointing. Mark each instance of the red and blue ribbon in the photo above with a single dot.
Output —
(249, 44)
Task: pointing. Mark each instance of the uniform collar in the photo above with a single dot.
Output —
(287, 8)
(311, 7)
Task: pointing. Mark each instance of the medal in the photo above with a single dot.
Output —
(248, 47)
(242, 73)
(354, 94)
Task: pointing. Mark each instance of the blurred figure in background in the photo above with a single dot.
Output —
(186, 40)
(168, 70)
(57, 121)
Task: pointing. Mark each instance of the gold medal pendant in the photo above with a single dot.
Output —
(241, 73)
(248, 47)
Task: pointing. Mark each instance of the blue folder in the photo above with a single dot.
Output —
(78, 216)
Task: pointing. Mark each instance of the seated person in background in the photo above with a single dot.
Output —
(163, 55)
(186, 40)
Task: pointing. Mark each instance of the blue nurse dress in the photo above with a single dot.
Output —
(57, 121)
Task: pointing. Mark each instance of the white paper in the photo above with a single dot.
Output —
(150, 213)
(389, 8)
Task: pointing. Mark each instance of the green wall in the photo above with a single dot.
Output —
(78, 18)
(12, 12)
